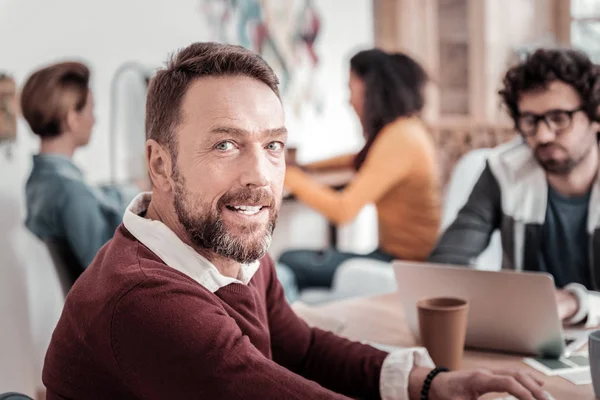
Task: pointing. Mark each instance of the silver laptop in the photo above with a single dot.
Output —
(508, 311)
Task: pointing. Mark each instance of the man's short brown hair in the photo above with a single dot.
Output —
(168, 87)
(51, 92)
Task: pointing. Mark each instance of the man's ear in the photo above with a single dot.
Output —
(596, 122)
(160, 167)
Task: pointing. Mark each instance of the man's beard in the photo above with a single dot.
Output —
(207, 230)
(556, 167)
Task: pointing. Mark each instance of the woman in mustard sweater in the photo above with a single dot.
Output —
(396, 170)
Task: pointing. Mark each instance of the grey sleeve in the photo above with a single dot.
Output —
(470, 233)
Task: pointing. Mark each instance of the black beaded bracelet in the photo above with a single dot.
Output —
(429, 379)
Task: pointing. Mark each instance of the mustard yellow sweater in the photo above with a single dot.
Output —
(400, 176)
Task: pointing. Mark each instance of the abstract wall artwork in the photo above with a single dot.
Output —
(283, 32)
(8, 108)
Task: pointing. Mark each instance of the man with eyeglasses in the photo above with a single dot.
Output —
(542, 190)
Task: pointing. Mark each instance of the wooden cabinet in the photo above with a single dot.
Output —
(454, 48)
(466, 46)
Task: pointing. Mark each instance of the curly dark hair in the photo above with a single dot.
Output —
(393, 88)
(543, 66)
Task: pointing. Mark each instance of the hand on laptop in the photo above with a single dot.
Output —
(567, 304)
(469, 385)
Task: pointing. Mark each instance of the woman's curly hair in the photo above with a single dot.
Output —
(543, 66)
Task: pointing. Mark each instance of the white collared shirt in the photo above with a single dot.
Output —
(163, 242)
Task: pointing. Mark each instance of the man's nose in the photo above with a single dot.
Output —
(256, 169)
(543, 132)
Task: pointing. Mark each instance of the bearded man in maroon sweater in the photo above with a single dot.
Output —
(183, 302)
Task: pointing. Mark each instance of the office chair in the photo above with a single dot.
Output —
(66, 264)
(14, 396)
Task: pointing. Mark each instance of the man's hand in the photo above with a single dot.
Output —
(567, 304)
(469, 385)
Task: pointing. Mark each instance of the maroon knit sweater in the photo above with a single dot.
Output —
(134, 328)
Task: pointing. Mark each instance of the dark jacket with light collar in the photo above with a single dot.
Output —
(511, 195)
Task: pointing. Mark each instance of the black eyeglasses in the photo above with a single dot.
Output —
(557, 121)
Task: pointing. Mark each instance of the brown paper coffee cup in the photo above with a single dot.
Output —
(443, 327)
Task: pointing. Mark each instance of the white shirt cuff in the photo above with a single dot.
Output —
(589, 306)
(393, 383)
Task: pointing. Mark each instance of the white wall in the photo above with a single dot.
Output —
(105, 34)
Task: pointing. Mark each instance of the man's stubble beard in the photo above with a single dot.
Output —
(207, 230)
(563, 167)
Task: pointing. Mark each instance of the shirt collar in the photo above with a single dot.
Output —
(57, 163)
(163, 242)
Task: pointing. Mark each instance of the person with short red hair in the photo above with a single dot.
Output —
(58, 105)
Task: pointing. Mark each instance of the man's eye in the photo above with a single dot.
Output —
(223, 146)
(275, 146)
(558, 117)
(528, 121)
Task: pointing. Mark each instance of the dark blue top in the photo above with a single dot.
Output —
(564, 248)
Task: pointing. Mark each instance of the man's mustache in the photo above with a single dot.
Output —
(544, 146)
(246, 196)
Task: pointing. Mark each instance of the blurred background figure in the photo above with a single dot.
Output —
(396, 170)
(58, 105)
